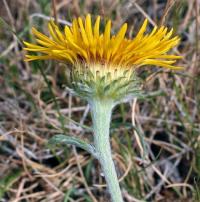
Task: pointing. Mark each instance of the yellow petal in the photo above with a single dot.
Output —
(162, 64)
(75, 30)
(96, 27)
(30, 45)
(88, 28)
(68, 33)
(44, 43)
(106, 35)
(79, 50)
(83, 33)
(42, 57)
(52, 33)
(119, 38)
(143, 28)
(41, 36)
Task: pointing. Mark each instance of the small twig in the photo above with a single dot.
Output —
(41, 194)
(45, 17)
(8, 49)
(12, 25)
(135, 132)
(9, 14)
(82, 176)
(52, 185)
(86, 111)
(102, 12)
(144, 13)
(167, 173)
(180, 185)
(20, 189)
(131, 198)
(55, 11)
(168, 6)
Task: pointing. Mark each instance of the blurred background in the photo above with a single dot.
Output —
(164, 165)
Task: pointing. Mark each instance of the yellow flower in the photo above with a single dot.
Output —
(82, 43)
(103, 65)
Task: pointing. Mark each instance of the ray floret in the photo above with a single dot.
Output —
(83, 43)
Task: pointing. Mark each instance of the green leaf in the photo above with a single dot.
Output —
(7, 181)
(64, 139)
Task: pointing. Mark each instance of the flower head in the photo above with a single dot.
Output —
(102, 58)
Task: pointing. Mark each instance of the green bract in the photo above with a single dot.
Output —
(117, 85)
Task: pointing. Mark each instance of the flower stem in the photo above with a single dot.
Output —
(101, 110)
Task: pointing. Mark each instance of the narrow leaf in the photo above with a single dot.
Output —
(64, 139)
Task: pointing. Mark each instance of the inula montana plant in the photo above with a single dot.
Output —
(103, 71)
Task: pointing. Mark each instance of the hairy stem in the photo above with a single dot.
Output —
(101, 115)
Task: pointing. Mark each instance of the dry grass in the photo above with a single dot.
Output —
(167, 166)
